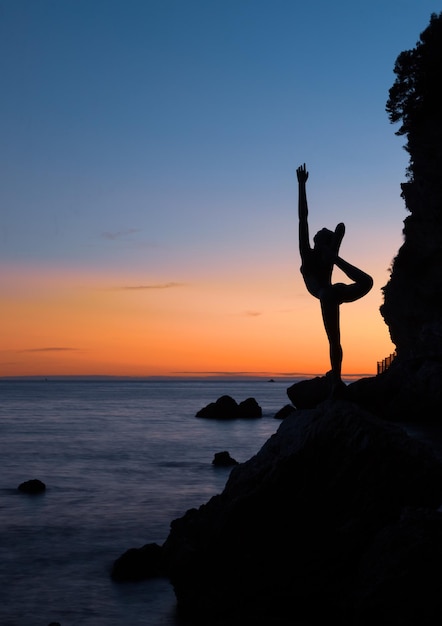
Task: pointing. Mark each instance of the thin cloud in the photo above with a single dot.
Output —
(119, 234)
(127, 238)
(248, 313)
(51, 349)
(170, 285)
(241, 374)
(221, 373)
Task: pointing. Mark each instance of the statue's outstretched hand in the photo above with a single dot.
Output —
(302, 174)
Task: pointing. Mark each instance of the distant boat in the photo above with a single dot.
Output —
(272, 380)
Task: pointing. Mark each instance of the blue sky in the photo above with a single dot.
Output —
(158, 140)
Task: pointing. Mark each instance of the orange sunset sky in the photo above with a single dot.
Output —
(149, 193)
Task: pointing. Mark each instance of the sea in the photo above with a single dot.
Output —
(121, 459)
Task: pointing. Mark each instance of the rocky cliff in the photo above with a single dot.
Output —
(333, 521)
(412, 305)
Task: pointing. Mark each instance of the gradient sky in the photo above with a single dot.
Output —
(148, 193)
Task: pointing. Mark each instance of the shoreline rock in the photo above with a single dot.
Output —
(290, 536)
(223, 459)
(139, 564)
(408, 391)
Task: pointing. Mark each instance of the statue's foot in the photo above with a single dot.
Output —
(338, 391)
(339, 235)
(337, 388)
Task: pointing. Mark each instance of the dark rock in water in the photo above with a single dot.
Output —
(223, 459)
(307, 394)
(226, 408)
(249, 409)
(33, 486)
(286, 410)
(294, 536)
(139, 564)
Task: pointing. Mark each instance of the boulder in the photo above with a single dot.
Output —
(224, 408)
(307, 394)
(223, 459)
(227, 408)
(294, 535)
(139, 564)
(33, 486)
(286, 410)
(249, 409)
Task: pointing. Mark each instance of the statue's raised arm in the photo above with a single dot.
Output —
(304, 241)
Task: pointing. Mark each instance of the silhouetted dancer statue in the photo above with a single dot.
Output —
(316, 269)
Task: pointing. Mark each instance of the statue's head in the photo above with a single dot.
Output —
(323, 237)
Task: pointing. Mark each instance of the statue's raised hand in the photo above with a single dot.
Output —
(302, 174)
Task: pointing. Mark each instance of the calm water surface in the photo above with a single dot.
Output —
(121, 460)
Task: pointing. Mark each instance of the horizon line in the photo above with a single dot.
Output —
(183, 375)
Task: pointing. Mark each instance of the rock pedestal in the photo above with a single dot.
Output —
(293, 537)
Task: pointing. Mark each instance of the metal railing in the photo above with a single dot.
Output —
(385, 363)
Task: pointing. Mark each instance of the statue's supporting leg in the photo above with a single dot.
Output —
(330, 316)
